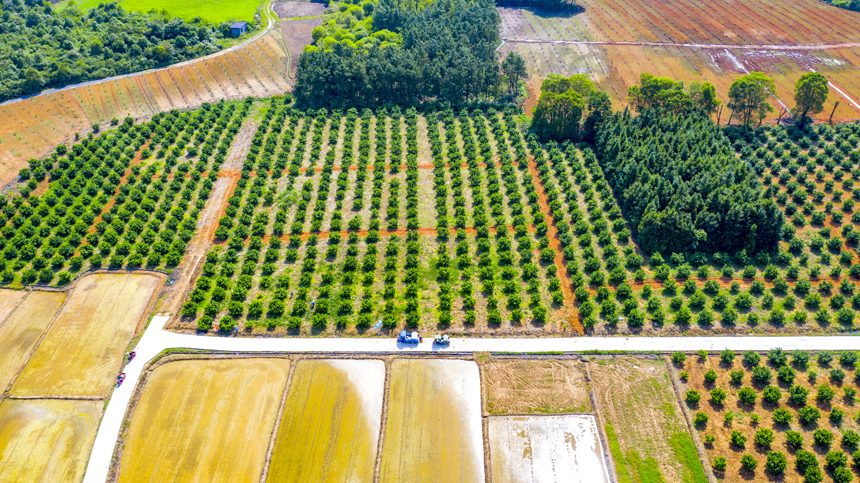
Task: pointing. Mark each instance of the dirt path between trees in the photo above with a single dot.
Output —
(555, 244)
(186, 272)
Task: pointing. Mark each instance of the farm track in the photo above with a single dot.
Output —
(777, 47)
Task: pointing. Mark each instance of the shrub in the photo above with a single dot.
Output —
(776, 462)
(749, 463)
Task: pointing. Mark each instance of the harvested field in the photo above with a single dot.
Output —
(329, 429)
(647, 434)
(90, 336)
(46, 440)
(20, 332)
(266, 66)
(433, 428)
(8, 300)
(297, 9)
(545, 449)
(517, 386)
(204, 420)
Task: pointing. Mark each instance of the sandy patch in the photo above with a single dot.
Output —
(546, 448)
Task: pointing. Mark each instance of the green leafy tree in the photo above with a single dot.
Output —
(748, 97)
(513, 71)
(810, 93)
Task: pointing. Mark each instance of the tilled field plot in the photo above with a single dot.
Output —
(204, 420)
(433, 430)
(546, 448)
(329, 428)
(514, 386)
(46, 440)
(83, 350)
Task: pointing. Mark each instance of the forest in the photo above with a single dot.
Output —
(442, 51)
(681, 185)
(41, 48)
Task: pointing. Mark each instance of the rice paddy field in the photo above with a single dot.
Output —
(712, 41)
(204, 420)
(330, 423)
(82, 351)
(46, 440)
(433, 429)
(516, 386)
(546, 448)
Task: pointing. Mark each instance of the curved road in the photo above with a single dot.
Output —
(155, 339)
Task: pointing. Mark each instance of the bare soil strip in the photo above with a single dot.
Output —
(555, 244)
(204, 235)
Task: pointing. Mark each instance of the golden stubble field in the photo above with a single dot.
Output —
(204, 420)
(46, 440)
(83, 349)
(21, 330)
(329, 428)
(433, 428)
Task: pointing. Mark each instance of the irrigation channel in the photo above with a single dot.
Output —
(156, 339)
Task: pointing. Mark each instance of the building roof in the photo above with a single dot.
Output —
(238, 25)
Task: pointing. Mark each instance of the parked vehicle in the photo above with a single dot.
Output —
(408, 338)
(119, 379)
(442, 339)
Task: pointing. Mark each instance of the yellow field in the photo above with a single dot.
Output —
(8, 300)
(46, 440)
(433, 430)
(204, 420)
(330, 425)
(21, 330)
(83, 350)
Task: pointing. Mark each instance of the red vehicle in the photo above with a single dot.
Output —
(119, 379)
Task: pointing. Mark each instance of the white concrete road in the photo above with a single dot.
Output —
(155, 339)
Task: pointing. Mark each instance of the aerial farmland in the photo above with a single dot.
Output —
(460, 240)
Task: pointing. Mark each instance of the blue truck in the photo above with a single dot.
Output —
(408, 338)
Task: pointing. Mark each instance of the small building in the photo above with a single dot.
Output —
(238, 28)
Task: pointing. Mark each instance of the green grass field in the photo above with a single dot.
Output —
(213, 11)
